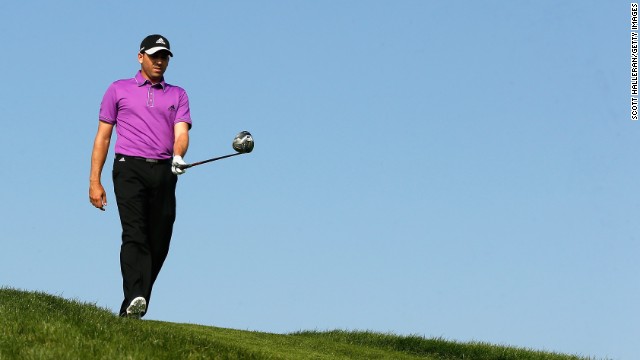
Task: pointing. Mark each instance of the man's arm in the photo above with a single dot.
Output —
(181, 142)
(97, 195)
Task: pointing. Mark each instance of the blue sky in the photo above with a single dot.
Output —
(463, 170)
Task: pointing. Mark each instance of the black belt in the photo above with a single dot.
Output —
(155, 161)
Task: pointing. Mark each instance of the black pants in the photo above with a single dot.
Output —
(145, 194)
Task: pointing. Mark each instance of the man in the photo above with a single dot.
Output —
(152, 121)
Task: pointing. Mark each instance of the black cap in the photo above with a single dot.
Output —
(153, 43)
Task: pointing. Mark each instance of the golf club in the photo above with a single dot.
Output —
(242, 144)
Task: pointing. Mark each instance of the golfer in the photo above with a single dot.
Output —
(152, 122)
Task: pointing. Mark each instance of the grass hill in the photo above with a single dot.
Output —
(35, 325)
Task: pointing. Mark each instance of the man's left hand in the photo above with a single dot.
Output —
(177, 160)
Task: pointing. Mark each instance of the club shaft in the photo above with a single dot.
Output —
(207, 161)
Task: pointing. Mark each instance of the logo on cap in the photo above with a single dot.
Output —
(161, 41)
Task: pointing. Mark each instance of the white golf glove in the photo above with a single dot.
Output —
(177, 160)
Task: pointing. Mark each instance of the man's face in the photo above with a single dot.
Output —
(154, 65)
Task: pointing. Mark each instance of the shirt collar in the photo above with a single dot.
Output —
(140, 80)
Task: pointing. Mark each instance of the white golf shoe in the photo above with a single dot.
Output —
(137, 308)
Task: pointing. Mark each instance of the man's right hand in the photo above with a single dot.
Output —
(97, 195)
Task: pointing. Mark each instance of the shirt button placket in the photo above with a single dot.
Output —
(150, 97)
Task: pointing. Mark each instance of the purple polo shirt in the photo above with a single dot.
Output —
(144, 116)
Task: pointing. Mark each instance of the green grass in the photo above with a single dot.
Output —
(35, 325)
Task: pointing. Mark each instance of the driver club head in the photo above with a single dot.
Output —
(243, 142)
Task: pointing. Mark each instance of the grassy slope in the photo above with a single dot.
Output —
(39, 326)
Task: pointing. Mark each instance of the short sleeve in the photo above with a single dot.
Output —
(109, 106)
(183, 113)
